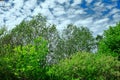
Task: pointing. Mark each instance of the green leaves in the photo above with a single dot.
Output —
(2, 31)
(111, 41)
(24, 55)
(28, 61)
(86, 66)
(75, 39)
(30, 57)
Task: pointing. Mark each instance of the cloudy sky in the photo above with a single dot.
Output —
(97, 15)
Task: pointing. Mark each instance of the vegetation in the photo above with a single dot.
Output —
(27, 62)
(36, 51)
(111, 41)
(86, 66)
(76, 39)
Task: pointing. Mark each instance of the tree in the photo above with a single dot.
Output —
(27, 31)
(75, 39)
(86, 66)
(24, 33)
(98, 38)
(4, 38)
(26, 62)
(2, 31)
(110, 44)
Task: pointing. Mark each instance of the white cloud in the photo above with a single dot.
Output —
(36, 10)
(84, 22)
(62, 1)
(116, 17)
(47, 13)
(30, 4)
(58, 11)
(109, 6)
(70, 11)
(101, 21)
(71, 16)
(61, 15)
(48, 4)
(80, 12)
(114, 11)
(88, 1)
(99, 6)
(76, 2)
(64, 23)
(18, 4)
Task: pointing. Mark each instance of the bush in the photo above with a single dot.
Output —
(27, 62)
(86, 66)
(5, 72)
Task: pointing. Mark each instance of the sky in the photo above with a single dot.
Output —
(97, 15)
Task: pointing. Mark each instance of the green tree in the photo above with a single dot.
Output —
(27, 62)
(24, 33)
(27, 31)
(53, 38)
(86, 66)
(110, 44)
(2, 30)
(4, 48)
(75, 39)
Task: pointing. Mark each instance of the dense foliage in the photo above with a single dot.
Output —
(34, 50)
(27, 62)
(75, 39)
(111, 41)
(86, 66)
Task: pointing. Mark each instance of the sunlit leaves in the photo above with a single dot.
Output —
(111, 41)
(28, 61)
(86, 66)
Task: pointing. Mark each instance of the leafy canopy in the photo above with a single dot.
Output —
(86, 66)
(110, 43)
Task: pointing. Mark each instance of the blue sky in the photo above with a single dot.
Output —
(97, 15)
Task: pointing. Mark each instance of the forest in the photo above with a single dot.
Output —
(34, 50)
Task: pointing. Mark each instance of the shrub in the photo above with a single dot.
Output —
(5, 72)
(86, 66)
(28, 62)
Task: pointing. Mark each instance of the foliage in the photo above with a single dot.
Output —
(5, 72)
(28, 62)
(24, 55)
(111, 41)
(26, 31)
(86, 66)
(24, 34)
(2, 31)
(75, 39)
